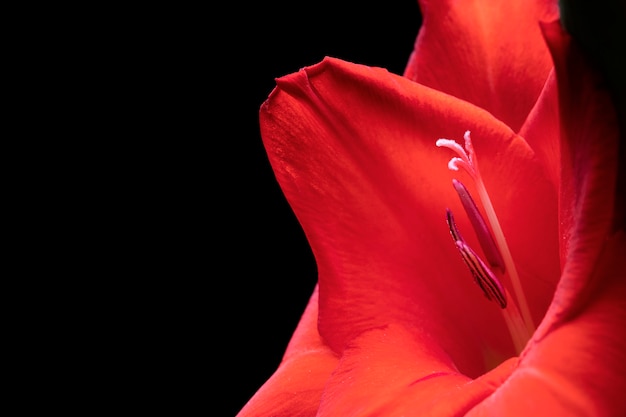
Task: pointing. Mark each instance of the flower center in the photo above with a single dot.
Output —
(494, 246)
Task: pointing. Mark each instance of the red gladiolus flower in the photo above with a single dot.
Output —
(397, 325)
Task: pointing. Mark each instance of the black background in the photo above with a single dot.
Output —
(263, 257)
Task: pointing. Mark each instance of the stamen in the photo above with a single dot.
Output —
(454, 231)
(484, 277)
(485, 238)
(491, 286)
(467, 159)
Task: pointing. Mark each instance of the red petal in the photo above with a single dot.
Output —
(353, 149)
(394, 371)
(579, 368)
(491, 55)
(296, 387)
(541, 130)
(589, 149)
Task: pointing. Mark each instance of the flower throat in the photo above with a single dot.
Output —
(499, 261)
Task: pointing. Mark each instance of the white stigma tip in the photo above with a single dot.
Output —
(453, 164)
(445, 142)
